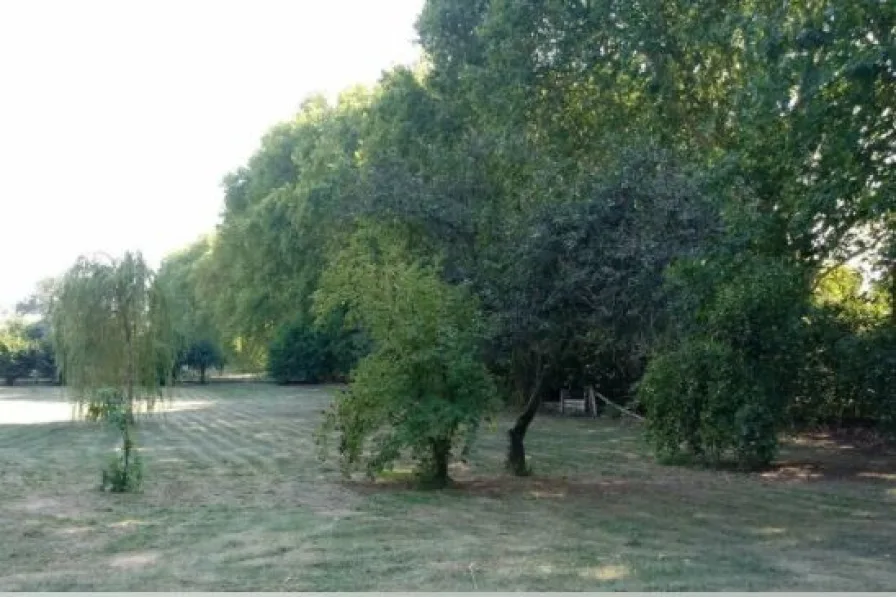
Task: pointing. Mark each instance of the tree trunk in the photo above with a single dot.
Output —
(126, 448)
(893, 292)
(202, 374)
(516, 451)
(10, 381)
(437, 477)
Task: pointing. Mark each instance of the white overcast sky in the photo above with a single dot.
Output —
(118, 119)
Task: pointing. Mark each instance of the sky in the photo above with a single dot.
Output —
(118, 120)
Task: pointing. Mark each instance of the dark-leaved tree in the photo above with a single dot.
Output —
(581, 291)
(201, 356)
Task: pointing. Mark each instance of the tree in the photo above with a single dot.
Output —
(19, 354)
(423, 388)
(39, 302)
(36, 328)
(201, 356)
(283, 212)
(15, 363)
(580, 297)
(197, 335)
(113, 338)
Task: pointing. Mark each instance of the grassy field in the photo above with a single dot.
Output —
(236, 500)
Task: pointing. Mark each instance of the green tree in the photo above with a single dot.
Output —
(494, 157)
(198, 337)
(423, 388)
(298, 354)
(580, 296)
(283, 212)
(20, 351)
(113, 338)
(15, 362)
(201, 356)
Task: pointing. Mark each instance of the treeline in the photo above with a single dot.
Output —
(666, 200)
(26, 347)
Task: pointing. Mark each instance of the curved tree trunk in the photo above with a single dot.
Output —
(516, 451)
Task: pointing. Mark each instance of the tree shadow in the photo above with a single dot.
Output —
(502, 486)
(851, 455)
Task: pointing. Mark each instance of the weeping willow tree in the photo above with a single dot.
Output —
(114, 344)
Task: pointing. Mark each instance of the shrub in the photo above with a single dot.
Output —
(297, 354)
(305, 351)
(720, 390)
(702, 402)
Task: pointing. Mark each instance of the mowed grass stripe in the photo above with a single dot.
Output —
(210, 437)
(272, 438)
(235, 440)
(289, 434)
(183, 433)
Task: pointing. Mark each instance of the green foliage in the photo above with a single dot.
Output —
(124, 472)
(848, 374)
(283, 213)
(25, 350)
(703, 401)
(309, 352)
(721, 391)
(15, 363)
(298, 354)
(197, 335)
(113, 334)
(423, 388)
(582, 284)
(111, 328)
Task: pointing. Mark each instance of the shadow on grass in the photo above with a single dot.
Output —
(502, 486)
(837, 455)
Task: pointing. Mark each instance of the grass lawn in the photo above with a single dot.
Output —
(236, 500)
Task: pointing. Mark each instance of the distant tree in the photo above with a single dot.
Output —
(201, 356)
(283, 211)
(196, 333)
(39, 302)
(15, 363)
(36, 327)
(40, 338)
(18, 351)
